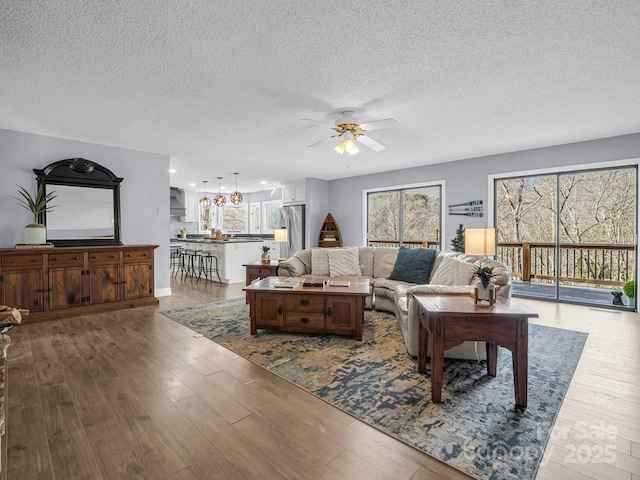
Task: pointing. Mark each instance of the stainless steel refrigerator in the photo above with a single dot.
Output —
(292, 218)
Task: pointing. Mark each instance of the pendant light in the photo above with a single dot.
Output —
(204, 201)
(219, 199)
(236, 197)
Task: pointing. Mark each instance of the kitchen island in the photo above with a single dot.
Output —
(232, 254)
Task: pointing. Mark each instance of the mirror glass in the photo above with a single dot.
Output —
(80, 213)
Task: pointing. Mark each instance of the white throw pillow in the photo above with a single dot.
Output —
(343, 262)
(452, 271)
(320, 262)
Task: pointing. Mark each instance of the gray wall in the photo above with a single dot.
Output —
(317, 206)
(468, 180)
(144, 193)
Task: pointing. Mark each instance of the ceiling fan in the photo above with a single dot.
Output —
(350, 131)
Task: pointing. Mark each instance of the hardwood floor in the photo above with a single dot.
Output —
(134, 395)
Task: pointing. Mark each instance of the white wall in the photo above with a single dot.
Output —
(468, 180)
(144, 192)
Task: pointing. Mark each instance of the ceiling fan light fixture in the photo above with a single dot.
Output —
(340, 148)
(350, 147)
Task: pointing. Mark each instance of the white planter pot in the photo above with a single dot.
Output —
(35, 234)
(485, 294)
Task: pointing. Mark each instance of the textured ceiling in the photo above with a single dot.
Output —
(221, 86)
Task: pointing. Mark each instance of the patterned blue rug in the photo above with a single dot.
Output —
(476, 429)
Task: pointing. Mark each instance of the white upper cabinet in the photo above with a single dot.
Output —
(293, 193)
(191, 205)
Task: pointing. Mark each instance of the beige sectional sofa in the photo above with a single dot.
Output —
(451, 273)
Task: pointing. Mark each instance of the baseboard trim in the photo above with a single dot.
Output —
(162, 292)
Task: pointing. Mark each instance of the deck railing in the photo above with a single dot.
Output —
(597, 265)
(410, 243)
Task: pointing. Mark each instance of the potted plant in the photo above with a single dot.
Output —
(265, 253)
(35, 233)
(484, 290)
(629, 290)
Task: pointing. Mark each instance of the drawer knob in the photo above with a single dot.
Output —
(304, 302)
(304, 320)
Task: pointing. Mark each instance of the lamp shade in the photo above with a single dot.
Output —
(280, 235)
(480, 241)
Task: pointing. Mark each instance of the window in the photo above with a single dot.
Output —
(271, 212)
(234, 218)
(254, 217)
(405, 216)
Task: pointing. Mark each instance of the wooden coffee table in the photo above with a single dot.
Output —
(447, 321)
(325, 309)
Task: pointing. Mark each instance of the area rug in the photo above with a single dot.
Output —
(476, 429)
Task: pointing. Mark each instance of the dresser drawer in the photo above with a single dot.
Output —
(304, 303)
(21, 260)
(304, 320)
(66, 259)
(101, 257)
(137, 255)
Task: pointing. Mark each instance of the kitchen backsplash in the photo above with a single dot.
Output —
(175, 226)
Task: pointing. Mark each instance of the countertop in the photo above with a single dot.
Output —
(206, 240)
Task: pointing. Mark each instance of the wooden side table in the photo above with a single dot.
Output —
(447, 321)
(260, 269)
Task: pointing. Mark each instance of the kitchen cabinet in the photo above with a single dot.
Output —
(191, 205)
(65, 281)
(293, 193)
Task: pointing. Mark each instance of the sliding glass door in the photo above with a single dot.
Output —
(570, 236)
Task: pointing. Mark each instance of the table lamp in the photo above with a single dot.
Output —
(481, 242)
(280, 236)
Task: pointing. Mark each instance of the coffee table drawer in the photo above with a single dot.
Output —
(304, 303)
(304, 320)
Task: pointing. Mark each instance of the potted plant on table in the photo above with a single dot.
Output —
(35, 233)
(484, 290)
(265, 253)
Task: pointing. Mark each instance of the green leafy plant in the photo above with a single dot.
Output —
(629, 289)
(266, 249)
(485, 274)
(38, 204)
(457, 244)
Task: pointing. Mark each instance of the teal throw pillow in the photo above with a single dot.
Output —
(414, 265)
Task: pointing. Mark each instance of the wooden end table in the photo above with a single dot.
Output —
(260, 269)
(324, 309)
(447, 321)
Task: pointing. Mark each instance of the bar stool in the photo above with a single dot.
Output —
(208, 266)
(178, 261)
(192, 262)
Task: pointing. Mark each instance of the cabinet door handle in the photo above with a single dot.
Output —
(304, 320)
(304, 302)
(279, 309)
(9, 260)
(329, 312)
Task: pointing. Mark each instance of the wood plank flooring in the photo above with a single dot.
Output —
(134, 395)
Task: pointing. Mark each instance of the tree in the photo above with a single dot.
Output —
(457, 244)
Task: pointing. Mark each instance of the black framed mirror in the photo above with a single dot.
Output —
(87, 203)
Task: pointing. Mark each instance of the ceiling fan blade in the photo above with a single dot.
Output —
(371, 143)
(321, 141)
(387, 122)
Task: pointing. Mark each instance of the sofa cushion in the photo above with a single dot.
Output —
(384, 259)
(320, 262)
(305, 257)
(344, 262)
(414, 265)
(452, 271)
(365, 255)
